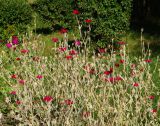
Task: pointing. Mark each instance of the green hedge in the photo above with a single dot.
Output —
(110, 18)
(55, 12)
(15, 15)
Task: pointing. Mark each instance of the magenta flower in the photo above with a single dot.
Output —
(154, 110)
(18, 58)
(102, 50)
(48, 99)
(77, 43)
(151, 97)
(121, 61)
(24, 51)
(88, 20)
(108, 72)
(135, 84)
(69, 57)
(68, 102)
(72, 52)
(18, 102)
(14, 40)
(9, 45)
(63, 30)
(13, 76)
(114, 79)
(62, 49)
(92, 71)
(39, 77)
(121, 43)
(21, 82)
(117, 65)
(118, 78)
(148, 60)
(55, 40)
(76, 12)
(13, 92)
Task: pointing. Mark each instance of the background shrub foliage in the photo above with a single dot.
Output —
(15, 15)
(110, 18)
(58, 13)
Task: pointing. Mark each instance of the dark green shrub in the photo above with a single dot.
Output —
(57, 13)
(110, 18)
(16, 14)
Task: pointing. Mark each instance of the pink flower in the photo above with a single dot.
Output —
(135, 84)
(24, 51)
(18, 102)
(68, 102)
(72, 52)
(151, 97)
(77, 43)
(148, 60)
(48, 99)
(21, 82)
(62, 49)
(63, 30)
(39, 77)
(14, 40)
(69, 57)
(88, 20)
(76, 12)
(13, 92)
(102, 50)
(9, 45)
(121, 43)
(55, 40)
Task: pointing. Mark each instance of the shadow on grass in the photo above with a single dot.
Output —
(151, 27)
(44, 31)
(155, 48)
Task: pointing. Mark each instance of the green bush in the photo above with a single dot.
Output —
(16, 14)
(58, 13)
(110, 18)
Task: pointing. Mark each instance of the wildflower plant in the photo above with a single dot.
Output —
(73, 88)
